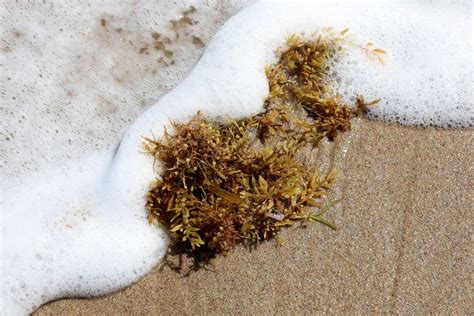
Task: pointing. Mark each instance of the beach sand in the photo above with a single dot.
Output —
(403, 244)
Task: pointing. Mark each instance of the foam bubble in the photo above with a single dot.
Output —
(79, 229)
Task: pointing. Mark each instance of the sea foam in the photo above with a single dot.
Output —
(80, 229)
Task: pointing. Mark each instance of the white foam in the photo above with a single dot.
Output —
(66, 238)
(80, 229)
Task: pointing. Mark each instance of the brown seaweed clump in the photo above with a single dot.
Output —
(241, 182)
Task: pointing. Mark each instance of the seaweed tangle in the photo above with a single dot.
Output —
(241, 182)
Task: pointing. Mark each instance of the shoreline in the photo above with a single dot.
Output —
(402, 244)
(404, 219)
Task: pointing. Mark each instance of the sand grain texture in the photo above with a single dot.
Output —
(404, 241)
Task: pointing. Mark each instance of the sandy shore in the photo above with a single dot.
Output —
(405, 221)
(403, 244)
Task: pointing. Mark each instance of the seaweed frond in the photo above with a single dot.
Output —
(218, 189)
(302, 78)
(241, 181)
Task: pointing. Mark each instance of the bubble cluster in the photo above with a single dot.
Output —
(427, 75)
(79, 69)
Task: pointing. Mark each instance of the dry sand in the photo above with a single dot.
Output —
(403, 244)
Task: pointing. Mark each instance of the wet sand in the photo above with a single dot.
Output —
(403, 244)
